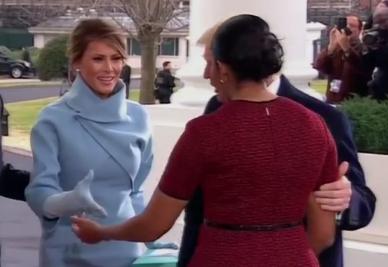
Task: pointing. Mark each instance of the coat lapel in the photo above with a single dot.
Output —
(107, 122)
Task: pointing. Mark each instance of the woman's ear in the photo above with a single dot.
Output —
(75, 66)
(224, 70)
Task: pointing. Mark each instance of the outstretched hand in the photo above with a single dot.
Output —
(87, 230)
(82, 192)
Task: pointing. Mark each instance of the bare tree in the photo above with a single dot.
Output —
(150, 18)
(29, 13)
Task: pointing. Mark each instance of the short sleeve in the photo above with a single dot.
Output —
(185, 166)
(329, 171)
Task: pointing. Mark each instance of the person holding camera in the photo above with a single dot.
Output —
(375, 56)
(341, 61)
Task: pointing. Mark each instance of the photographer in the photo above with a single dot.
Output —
(165, 83)
(375, 58)
(341, 61)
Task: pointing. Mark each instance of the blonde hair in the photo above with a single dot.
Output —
(206, 38)
(90, 30)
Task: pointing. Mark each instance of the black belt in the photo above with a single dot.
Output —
(252, 227)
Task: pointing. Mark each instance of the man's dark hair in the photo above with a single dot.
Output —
(245, 43)
(165, 63)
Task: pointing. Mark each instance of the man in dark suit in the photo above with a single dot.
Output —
(165, 83)
(362, 203)
(126, 77)
(12, 181)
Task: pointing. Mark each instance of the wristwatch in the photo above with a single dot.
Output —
(338, 217)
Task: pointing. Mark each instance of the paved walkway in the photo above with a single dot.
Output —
(18, 81)
(29, 89)
(25, 93)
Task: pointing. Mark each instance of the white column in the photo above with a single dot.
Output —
(182, 57)
(314, 30)
(39, 40)
(287, 19)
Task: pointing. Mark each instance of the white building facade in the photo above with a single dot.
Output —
(173, 45)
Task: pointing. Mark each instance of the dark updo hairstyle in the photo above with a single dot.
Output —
(246, 45)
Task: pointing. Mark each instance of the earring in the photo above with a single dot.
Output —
(222, 81)
(77, 70)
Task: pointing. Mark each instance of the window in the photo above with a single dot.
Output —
(134, 47)
(169, 47)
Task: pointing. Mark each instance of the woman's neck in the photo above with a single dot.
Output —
(252, 91)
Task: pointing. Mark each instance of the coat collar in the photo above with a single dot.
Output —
(91, 107)
(286, 89)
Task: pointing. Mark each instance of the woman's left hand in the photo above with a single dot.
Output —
(87, 230)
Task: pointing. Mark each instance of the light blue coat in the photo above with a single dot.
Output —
(80, 132)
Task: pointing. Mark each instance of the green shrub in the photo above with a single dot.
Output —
(5, 51)
(370, 123)
(16, 54)
(34, 52)
(21, 54)
(26, 55)
(53, 58)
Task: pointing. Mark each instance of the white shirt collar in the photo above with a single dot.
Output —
(274, 86)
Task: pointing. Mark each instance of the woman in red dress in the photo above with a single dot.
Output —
(257, 159)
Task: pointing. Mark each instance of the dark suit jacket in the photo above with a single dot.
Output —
(12, 181)
(362, 204)
(126, 77)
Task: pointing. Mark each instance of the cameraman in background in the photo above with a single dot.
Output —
(341, 61)
(165, 83)
(375, 58)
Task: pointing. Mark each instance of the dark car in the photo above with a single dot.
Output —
(15, 68)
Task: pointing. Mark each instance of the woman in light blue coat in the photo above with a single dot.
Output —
(91, 146)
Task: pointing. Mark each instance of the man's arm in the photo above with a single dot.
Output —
(13, 183)
(324, 61)
(362, 202)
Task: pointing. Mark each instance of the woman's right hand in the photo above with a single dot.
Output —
(87, 230)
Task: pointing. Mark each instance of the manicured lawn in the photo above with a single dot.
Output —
(319, 86)
(23, 116)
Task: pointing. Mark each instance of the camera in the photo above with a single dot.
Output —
(371, 38)
(375, 38)
(341, 24)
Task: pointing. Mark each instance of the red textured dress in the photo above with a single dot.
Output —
(257, 163)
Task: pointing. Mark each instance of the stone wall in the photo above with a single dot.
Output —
(325, 11)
